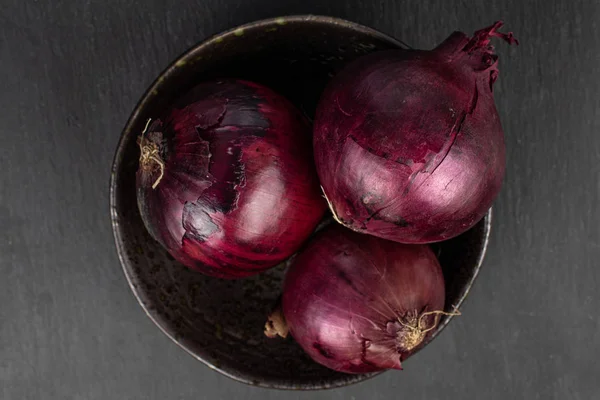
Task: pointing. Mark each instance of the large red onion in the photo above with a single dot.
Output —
(356, 303)
(408, 144)
(226, 182)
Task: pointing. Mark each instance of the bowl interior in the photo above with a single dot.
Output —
(218, 321)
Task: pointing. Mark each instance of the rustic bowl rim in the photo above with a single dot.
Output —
(118, 159)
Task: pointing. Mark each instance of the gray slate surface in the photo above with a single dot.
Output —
(69, 326)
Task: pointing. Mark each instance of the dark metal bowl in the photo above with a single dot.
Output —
(221, 322)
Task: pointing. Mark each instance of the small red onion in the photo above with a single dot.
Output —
(408, 143)
(356, 303)
(226, 181)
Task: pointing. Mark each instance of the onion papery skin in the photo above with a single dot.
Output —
(239, 193)
(408, 143)
(349, 299)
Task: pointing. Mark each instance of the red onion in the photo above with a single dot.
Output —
(408, 144)
(356, 303)
(226, 182)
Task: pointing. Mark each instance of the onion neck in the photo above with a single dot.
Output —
(481, 38)
(476, 51)
(481, 54)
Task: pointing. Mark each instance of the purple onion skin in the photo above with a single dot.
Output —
(408, 144)
(239, 192)
(348, 297)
